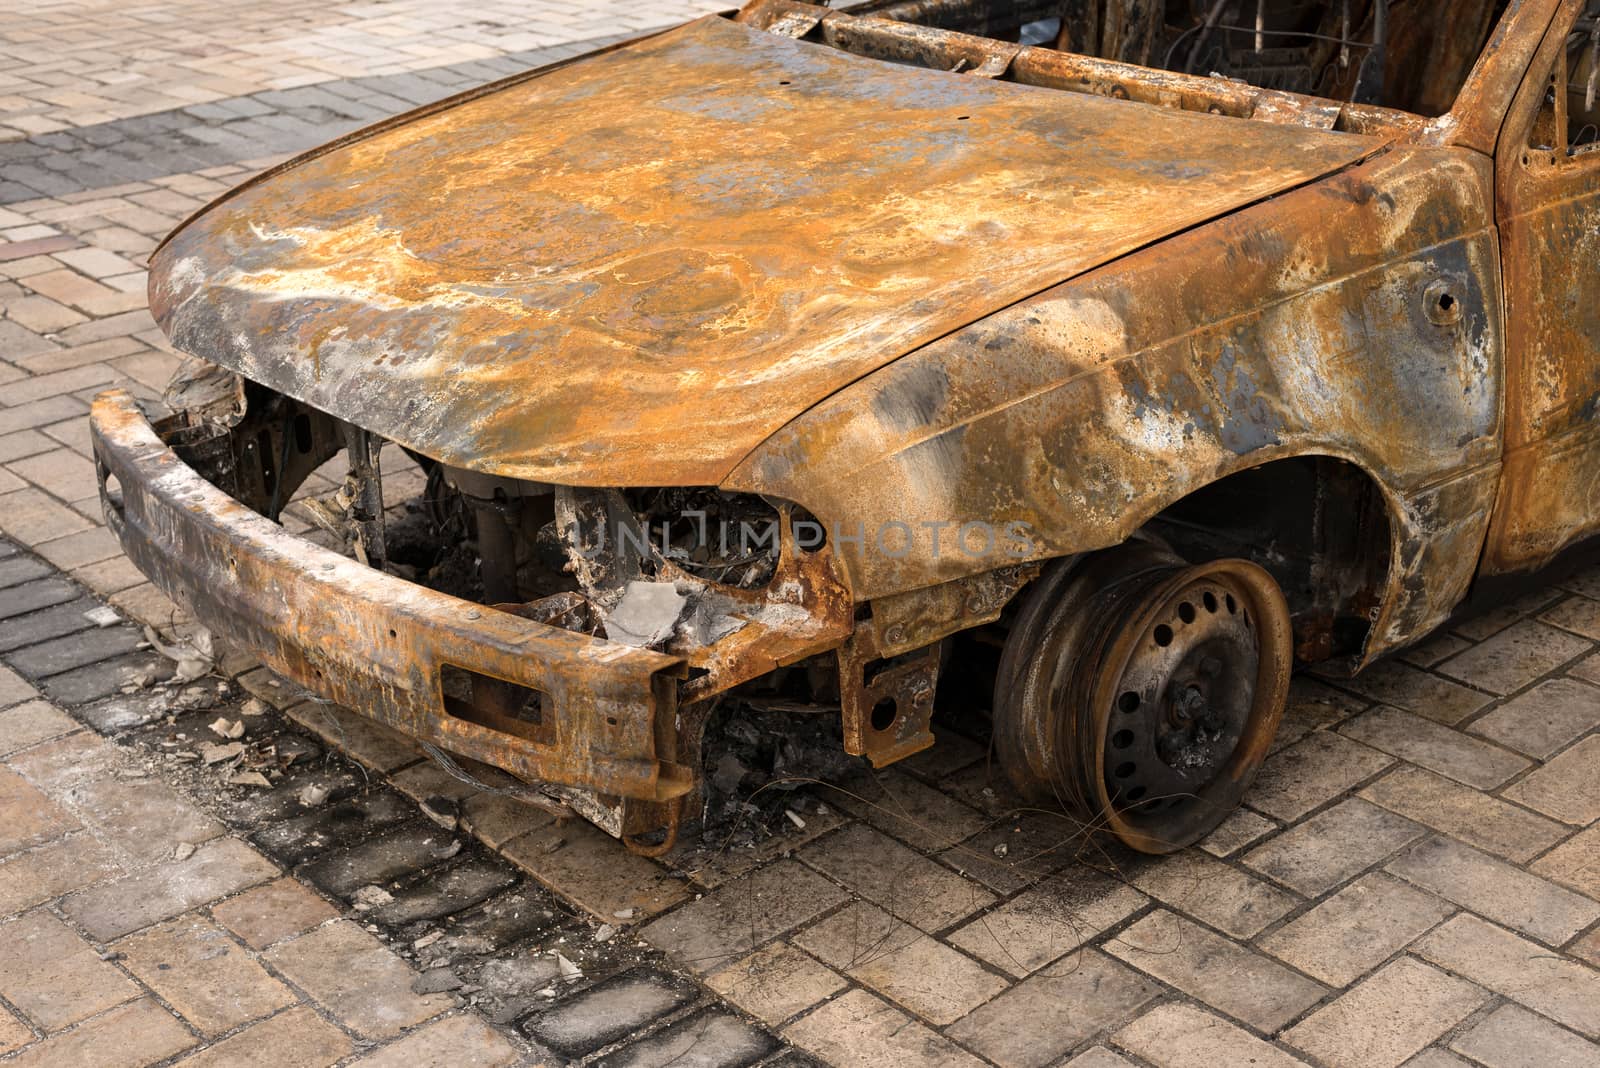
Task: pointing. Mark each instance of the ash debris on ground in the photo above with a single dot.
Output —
(762, 766)
(471, 923)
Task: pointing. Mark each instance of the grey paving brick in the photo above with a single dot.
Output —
(1530, 974)
(41, 180)
(713, 1038)
(1495, 889)
(1513, 1037)
(1435, 746)
(19, 569)
(443, 893)
(1333, 846)
(79, 686)
(1041, 1018)
(1251, 988)
(339, 822)
(404, 850)
(618, 1007)
(32, 596)
(86, 647)
(743, 914)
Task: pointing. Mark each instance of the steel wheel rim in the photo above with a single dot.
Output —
(1199, 730)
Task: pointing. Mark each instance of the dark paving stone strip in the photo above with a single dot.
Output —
(76, 650)
(270, 123)
(68, 618)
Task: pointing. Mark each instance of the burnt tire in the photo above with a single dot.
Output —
(1140, 693)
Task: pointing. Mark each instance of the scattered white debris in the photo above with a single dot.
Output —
(605, 933)
(183, 851)
(370, 897)
(249, 778)
(104, 616)
(624, 914)
(441, 810)
(216, 754)
(193, 657)
(427, 940)
(569, 971)
(435, 981)
(794, 818)
(646, 615)
(255, 706)
(312, 795)
(1001, 850)
(220, 726)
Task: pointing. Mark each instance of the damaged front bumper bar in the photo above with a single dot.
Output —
(603, 719)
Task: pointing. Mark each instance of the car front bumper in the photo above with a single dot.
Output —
(378, 644)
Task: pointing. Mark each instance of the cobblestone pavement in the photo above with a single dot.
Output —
(1415, 878)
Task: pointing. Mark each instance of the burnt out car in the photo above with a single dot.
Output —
(1161, 345)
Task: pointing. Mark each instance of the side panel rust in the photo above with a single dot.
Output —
(1549, 205)
(1309, 325)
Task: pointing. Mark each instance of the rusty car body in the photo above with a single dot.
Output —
(1209, 336)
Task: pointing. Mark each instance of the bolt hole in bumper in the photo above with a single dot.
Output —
(380, 645)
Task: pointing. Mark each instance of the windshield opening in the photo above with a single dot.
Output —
(1406, 55)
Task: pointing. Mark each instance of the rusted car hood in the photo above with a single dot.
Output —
(633, 269)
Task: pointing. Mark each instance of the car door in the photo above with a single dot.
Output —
(1548, 210)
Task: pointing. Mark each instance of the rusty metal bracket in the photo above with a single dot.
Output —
(886, 706)
(364, 488)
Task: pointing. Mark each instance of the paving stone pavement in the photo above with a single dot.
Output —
(1415, 878)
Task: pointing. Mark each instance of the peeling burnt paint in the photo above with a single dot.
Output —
(632, 271)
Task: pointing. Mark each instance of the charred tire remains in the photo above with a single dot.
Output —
(1141, 693)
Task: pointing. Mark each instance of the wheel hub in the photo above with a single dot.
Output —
(1184, 693)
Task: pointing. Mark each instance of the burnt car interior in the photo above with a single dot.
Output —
(1405, 55)
(1572, 107)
